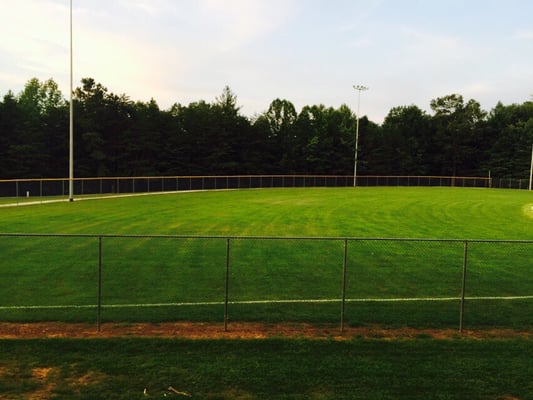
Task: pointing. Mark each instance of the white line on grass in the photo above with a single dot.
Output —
(218, 303)
(104, 197)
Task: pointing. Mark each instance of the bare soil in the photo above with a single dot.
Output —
(195, 330)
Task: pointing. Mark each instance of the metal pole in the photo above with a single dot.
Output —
(344, 268)
(531, 168)
(71, 125)
(226, 297)
(359, 88)
(463, 287)
(99, 290)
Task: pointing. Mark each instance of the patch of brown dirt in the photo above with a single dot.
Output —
(87, 379)
(45, 387)
(236, 330)
(41, 373)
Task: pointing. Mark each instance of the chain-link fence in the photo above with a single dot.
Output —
(344, 281)
(23, 190)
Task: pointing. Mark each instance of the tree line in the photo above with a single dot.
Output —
(115, 136)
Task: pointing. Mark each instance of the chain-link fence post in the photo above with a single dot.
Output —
(99, 289)
(463, 287)
(226, 297)
(344, 268)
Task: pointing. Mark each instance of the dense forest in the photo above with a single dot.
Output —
(114, 136)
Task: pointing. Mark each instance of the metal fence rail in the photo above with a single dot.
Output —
(39, 188)
(354, 281)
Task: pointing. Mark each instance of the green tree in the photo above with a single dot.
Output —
(457, 132)
(369, 147)
(209, 138)
(405, 142)
(103, 121)
(312, 128)
(328, 134)
(115, 136)
(55, 130)
(341, 133)
(510, 130)
(89, 137)
(145, 139)
(230, 141)
(36, 140)
(278, 126)
(225, 143)
(9, 119)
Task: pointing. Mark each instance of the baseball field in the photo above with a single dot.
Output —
(286, 257)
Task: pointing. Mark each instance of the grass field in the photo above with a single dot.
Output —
(62, 270)
(166, 270)
(365, 212)
(266, 369)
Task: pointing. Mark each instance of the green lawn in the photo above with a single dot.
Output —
(63, 270)
(57, 271)
(267, 369)
(362, 212)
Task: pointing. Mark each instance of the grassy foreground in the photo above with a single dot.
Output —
(266, 369)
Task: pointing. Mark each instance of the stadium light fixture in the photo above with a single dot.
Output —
(359, 89)
(71, 125)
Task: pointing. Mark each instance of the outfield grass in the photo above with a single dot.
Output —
(59, 271)
(267, 369)
(362, 212)
(52, 270)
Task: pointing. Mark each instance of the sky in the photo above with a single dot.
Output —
(407, 52)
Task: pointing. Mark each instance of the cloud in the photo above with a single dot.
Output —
(477, 89)
(151, 8)
(307, 51)
(525, 34)
(434, 48)
(240, 22)
(35, 39)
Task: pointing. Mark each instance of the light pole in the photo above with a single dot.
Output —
(71, 125)
(531, 168)
(359, 89)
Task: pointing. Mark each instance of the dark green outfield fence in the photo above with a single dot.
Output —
(21, 189)
(424, 283)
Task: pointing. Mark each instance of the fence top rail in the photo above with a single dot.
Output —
(236, 237)
(359, 177)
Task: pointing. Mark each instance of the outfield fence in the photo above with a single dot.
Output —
(21, 189)
(346, 281)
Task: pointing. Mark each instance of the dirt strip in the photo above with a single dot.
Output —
(195, 330)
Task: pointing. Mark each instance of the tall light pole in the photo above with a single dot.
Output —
(531, 168)
(359, 89)
(71, 125)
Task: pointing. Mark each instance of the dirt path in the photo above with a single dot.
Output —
(190, 330)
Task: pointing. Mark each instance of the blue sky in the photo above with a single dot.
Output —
(306, 51)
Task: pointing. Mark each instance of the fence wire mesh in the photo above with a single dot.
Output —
(28, 190)
(389, 282)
